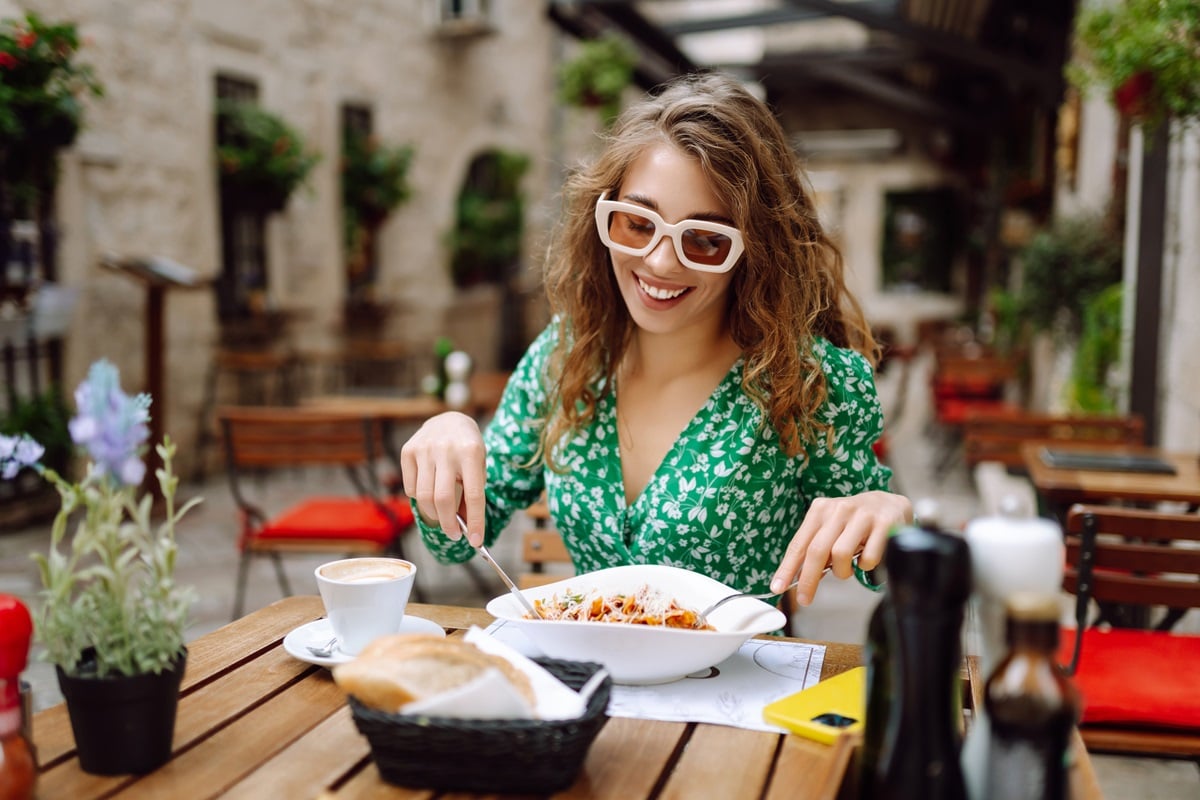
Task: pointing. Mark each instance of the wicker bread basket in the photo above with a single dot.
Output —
(483, 755)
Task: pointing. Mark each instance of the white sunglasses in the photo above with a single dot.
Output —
(636, 230)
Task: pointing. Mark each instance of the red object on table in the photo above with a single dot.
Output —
(18, 772)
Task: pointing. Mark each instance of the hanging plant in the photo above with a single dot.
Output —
(1146, 52)
(41, 85)
(598, 75)
(374, 183)
(260, 154)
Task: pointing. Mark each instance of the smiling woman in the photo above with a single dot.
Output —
(703, 397)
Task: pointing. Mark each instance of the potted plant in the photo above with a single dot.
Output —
(1063, 267)
(598, 74)
(259, 155)
(1146, 52)
(40, 110)
(374, 182)
(111, 616)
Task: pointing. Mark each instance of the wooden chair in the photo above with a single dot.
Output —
(998, 435)
(1138, 684)
(962, 385)
(543, 547)
(362, 522)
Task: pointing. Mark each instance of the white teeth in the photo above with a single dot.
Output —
(660, 294)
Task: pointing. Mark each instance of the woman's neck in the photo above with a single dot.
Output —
(668, 356)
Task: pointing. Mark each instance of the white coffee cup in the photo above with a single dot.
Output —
(364, 598)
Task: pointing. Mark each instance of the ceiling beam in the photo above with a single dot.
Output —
(777, 16)
(935, 41)
(893, 94)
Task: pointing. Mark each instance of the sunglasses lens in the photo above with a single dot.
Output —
(630, 230)
(706, 247)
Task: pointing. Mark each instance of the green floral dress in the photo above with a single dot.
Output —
(725, 501)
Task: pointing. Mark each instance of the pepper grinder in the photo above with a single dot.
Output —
(1009, 554)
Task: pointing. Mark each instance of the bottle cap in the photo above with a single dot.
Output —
(1032, 607)
(16, 629)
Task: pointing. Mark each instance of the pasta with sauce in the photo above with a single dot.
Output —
(646, 606)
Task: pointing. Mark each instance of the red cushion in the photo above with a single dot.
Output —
(955, 412)
(1133, 676)
(339, 518)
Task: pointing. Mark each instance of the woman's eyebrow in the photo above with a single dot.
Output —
(699, 216)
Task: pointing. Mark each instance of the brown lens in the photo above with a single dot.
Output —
(706, 247)
(630, 230)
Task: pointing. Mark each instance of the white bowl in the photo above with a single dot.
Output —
(643, 654)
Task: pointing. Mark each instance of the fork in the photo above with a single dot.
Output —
(512, 587)
(702, 617)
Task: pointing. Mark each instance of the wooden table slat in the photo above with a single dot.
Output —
(242, 747)
(808, 764)
(626, 759)
(326, 753)
(723, 762)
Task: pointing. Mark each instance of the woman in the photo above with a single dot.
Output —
(704, 395)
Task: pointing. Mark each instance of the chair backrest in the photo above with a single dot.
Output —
(260, 437)
(542, 547)
(1133, 556)
(1138, 685)
(998, 436)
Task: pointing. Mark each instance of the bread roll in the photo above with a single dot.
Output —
(393, 671)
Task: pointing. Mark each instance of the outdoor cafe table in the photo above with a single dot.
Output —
(254, 722)
(1060, 487)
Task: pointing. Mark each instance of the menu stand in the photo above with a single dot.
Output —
(157, 274)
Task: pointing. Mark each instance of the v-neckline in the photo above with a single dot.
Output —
(614, 436)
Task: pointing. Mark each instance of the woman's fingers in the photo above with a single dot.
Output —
(834, 531)
(442, 463)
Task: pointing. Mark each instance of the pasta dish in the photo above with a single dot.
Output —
(646, 606)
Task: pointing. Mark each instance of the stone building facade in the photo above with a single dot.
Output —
(140, 181)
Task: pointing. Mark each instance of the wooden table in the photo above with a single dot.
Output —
(255, 722)
(1061, 487)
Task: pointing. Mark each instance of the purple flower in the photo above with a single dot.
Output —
(17, 453)
(111, 425)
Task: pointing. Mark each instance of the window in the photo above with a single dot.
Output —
(242, 284)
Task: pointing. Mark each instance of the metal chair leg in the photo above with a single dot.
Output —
(239, 599)
(281, 575)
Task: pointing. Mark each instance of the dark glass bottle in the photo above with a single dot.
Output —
(919, 625)
(18, 771)
(1033, 706)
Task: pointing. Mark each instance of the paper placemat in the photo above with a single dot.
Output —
(730, 693)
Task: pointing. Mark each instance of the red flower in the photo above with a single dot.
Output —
(26, 40)
(1132, 98)
(8, 61)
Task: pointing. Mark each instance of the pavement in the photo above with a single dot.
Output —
(208, 562)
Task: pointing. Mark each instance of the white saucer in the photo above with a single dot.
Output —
(318, 632)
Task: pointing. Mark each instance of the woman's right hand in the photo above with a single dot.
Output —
(446, 456)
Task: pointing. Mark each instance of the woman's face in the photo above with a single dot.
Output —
(662, 294)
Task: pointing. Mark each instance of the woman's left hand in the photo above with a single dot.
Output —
(834, 531)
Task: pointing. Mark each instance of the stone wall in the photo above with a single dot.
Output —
(140, 181)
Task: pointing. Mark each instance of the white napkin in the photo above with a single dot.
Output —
(491, 696)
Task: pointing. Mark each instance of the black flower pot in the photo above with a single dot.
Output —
(123, 725)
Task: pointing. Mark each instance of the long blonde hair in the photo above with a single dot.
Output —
(787, 287)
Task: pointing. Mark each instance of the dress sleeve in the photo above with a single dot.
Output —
(850, 465)
(511, 440)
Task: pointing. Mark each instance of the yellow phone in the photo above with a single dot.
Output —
(834, 706)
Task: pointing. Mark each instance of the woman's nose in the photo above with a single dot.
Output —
(663, 257)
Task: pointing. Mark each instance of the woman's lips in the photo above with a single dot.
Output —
(660, 294)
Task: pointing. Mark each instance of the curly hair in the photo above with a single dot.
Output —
(787, 288)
